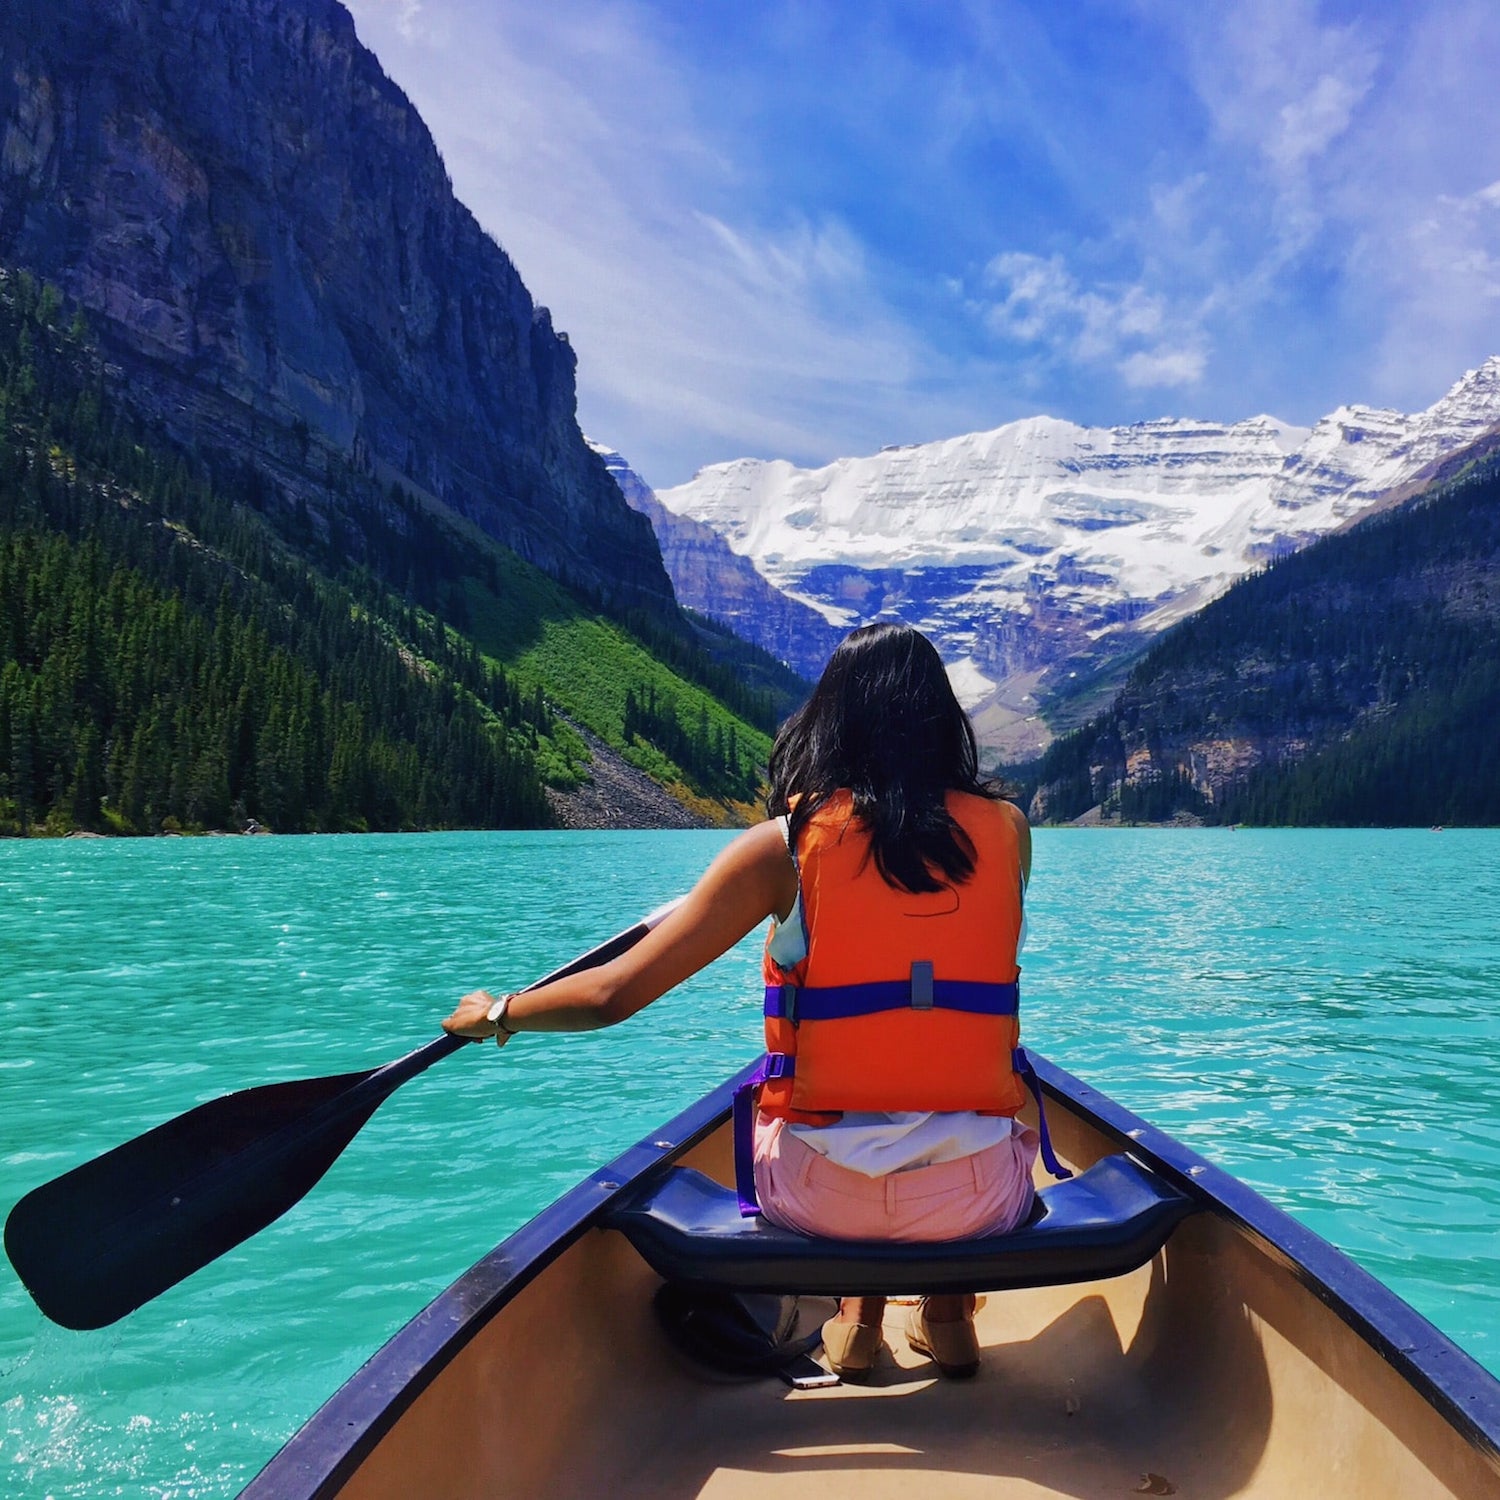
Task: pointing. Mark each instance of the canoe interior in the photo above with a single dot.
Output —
(1214, 1370)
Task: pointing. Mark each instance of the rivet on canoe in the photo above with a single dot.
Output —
(662, 1145)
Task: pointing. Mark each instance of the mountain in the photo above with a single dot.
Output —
(1354, 682)
(264, 238)
(264, 380)
(716, 581)
(1042, 556)
(180, 649)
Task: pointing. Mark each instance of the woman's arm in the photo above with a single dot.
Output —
(1023, 837)
(752, 879)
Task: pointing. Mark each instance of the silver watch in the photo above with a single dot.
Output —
(496, 1013)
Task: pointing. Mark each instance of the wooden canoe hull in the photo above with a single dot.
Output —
(1249, 1358)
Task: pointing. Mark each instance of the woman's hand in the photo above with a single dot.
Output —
(472, 1019)
(751, 879)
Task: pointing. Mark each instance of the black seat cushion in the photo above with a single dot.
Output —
(1104, 1222)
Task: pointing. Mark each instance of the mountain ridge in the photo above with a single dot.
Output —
(265, 238)
(1354, 682)
(709, 577)
(182, 651)
(1041, 552)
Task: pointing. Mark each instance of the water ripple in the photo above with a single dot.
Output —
(1312, 1010)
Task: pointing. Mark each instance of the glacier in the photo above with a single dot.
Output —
(1042, 555)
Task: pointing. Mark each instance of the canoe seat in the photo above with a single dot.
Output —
(1104, 1222)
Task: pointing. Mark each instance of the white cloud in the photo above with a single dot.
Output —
(1283, 88)
(1276, 77)
(1310, 123)
(409, 19)
(1449, 261)
(702, 333)
(1352, 172)
(1040, 302)
(1163, 367)
(1177, 206)
(1296, 209)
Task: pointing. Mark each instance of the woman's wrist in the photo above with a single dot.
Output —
(497, 1014)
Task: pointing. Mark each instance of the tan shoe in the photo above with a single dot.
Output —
(852, 1349)
(952, 1347)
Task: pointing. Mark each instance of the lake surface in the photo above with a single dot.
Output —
(1314, 1010)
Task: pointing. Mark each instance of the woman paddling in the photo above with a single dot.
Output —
(894, 880)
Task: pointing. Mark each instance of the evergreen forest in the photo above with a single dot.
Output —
(1361, 675)
(184, 649)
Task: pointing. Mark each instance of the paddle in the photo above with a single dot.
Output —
(101, 1240)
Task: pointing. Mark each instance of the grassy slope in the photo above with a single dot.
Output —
(585, 664)
(548, 640)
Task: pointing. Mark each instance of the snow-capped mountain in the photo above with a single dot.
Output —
(1043, 548)
(710, 578)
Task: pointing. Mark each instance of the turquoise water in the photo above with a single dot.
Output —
(1314, 1010)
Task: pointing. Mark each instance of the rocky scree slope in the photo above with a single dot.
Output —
(265, 238)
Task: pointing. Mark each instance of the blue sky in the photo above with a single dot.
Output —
(802, 230)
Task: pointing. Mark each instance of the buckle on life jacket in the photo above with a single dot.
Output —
(921, 984)
(781, 1002)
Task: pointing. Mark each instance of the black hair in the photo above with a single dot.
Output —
(883, 723)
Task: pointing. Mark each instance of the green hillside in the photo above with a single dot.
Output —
(180, 647)
(1356, 682)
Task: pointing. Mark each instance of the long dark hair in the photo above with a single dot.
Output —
(883, 723)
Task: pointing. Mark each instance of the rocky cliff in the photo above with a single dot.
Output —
(265, 239)
(716, 581)
(1357, 681)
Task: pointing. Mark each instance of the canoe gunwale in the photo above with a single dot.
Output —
(315, 1462)
(336, 1439)
(1453, 1382)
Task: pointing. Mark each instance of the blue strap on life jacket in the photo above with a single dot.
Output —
(742, 1126)
(838, 1002)
(1021, 1064)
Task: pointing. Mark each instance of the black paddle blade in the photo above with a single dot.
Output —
(97, 1242)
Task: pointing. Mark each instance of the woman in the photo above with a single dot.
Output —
(894, 879)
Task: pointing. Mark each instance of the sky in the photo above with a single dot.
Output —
(803, 230)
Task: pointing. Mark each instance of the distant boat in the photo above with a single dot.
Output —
(1214, 1347)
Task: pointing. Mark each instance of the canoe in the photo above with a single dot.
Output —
(1217, 1348)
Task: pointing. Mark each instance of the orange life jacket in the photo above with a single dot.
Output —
(903, 1002)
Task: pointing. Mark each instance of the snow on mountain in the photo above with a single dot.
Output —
(1043, 547)
(710, 578)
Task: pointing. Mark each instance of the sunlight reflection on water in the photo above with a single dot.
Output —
(1314, 1010)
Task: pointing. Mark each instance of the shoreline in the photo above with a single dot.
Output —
(689, 823)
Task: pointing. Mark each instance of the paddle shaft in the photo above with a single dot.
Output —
(381, 1083)
(108, 1236)
(365, 1096)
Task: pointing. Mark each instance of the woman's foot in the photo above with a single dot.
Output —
(852, 1340)
(942, 1328)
